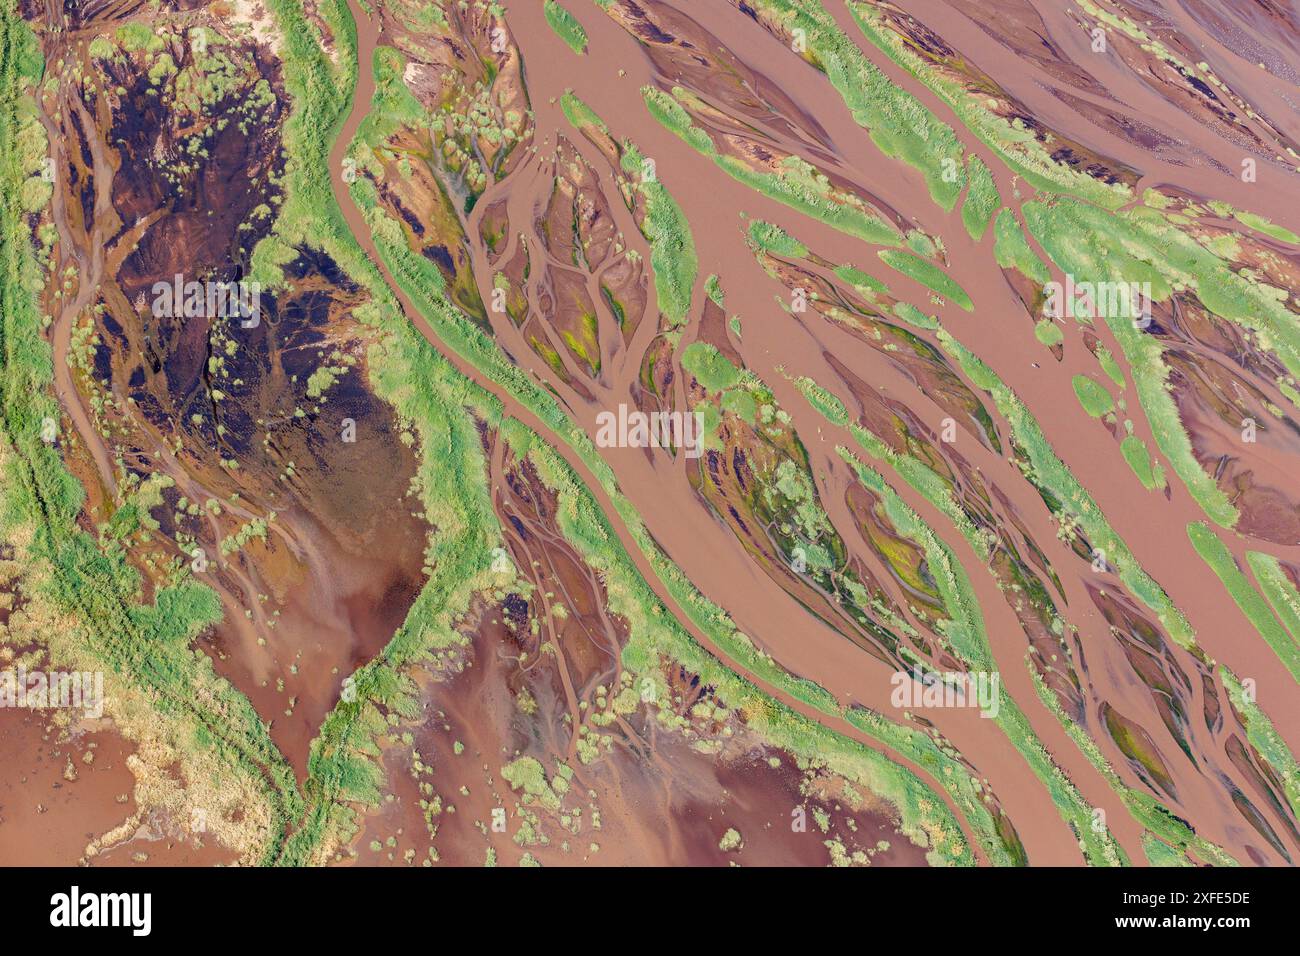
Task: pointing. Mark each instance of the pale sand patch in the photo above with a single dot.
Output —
(261, 22)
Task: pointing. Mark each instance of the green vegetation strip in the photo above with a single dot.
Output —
(426, 289)
(579, 113)
(95, 593)
(1279, 590)
(863, 280)
(1146, 236)
(1064, 495)
(1096, 401)
(654, 633)
(1013, 141)
(672, 247)
(982, 199)
(342, 766)
(1265, 738)
(969, 641)
(1136, 245)
(1048, 332)
(900, 126)
(1153, 815)
(1141, 246)
(566, 26)
(933, 488)
(1269, 228)
(1012, 250)
(928, 274)
(1216, 554)
(799, 185)
(921, 477)
(767, 237)
(1134, 450)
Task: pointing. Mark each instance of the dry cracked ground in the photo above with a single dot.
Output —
(655, 432)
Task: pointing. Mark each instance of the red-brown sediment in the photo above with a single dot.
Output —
(1155, 710)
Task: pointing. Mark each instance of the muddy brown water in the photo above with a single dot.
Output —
(834, 661)
(341, 606)
(1154, 531)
